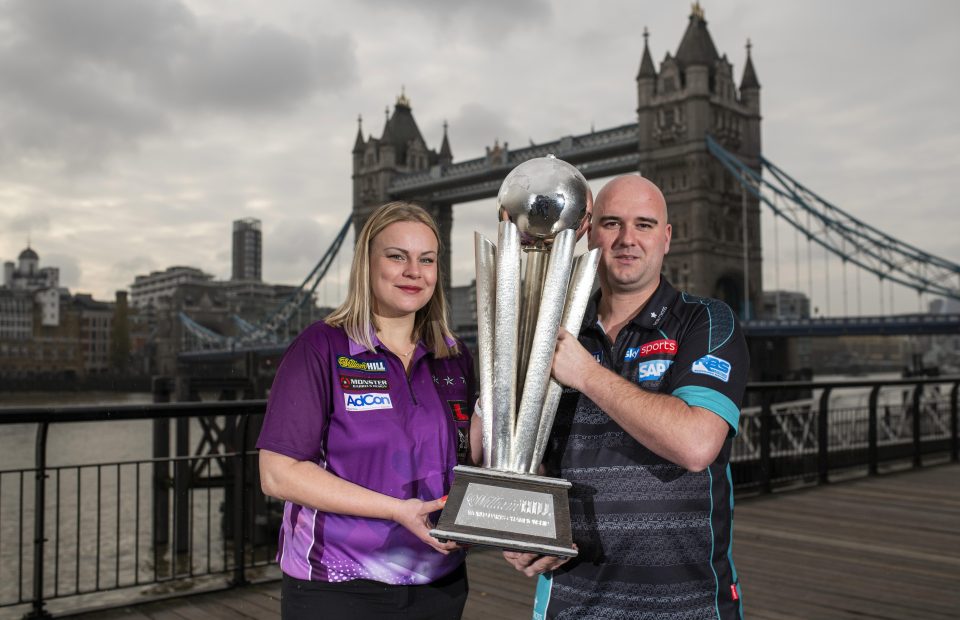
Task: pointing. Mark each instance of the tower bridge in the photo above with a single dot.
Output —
(693, 95)
(697, 135)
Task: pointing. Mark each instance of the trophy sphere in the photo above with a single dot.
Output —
(544, 196)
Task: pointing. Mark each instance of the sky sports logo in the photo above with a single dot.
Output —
(652, 370)
(367, 402)
(664, 346)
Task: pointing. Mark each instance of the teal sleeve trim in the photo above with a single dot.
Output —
(697, 396)
(541, 599)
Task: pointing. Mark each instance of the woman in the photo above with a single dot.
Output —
(367, 416)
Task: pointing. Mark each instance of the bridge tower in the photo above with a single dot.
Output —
(692, 95)
(400, 150)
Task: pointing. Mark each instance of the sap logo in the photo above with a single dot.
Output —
(659, 346)
(364, 366)
(367, 402)
(654, 369)
(712, 366)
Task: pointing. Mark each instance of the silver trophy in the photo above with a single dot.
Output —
(543, 205)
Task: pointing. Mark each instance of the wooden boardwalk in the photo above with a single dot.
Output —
(885, 547)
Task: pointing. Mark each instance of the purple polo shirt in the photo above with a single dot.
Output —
(362, 418)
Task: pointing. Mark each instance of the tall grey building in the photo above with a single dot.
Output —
(247, 249)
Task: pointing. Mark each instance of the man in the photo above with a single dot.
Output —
(645, 434)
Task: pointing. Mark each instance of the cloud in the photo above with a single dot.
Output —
(142, 128)
(476, 126)
(29, 223)
(124, 270)
(488, 22)
(84, 81)
(70, 271)
(246, 68)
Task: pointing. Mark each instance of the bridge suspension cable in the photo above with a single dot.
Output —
(840, 233)
(271, 329)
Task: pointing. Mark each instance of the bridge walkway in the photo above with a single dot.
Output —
(885, 547)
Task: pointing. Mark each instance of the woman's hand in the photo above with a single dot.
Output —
(414, 515)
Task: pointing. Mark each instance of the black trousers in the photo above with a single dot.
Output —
(362, 599)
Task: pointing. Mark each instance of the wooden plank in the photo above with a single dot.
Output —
(884, 548)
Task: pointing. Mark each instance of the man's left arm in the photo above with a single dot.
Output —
(687, 428)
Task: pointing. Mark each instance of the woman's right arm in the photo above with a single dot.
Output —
(308, 484)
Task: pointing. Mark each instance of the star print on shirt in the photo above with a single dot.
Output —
(448, 380)
(436, 380)
(653, 315)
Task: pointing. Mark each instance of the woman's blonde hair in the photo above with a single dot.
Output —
(355, 314)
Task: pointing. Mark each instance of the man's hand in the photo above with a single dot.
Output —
(570, 360)
(532, 564)
(414, 515)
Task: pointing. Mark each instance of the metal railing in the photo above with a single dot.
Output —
(108, 531)
(841, 428)
(103, 533)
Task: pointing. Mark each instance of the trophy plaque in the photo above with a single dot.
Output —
(543, 205)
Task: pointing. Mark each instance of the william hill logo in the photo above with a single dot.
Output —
(369, 366)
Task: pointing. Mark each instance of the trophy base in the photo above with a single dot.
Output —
(517, 512)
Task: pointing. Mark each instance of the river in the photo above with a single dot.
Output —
(79, 443)
(90, 521)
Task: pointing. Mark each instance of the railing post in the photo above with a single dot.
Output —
(823, 437)
(161, 466)
(917, 444)
(240, 504)
(872, 432)
(954, 435)
(39, 527)
(766, 422)
(182, 481)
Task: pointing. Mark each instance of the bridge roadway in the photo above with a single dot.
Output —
(884, 547)
(893, 325)
(906, 324)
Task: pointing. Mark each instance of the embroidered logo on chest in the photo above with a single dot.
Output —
(367, 402)
(362, 365)
(657, 347)
(458, 409)
(363, 383)
(654, 369)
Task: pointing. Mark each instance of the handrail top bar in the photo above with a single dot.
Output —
(765, 386)
(162, 411)
(142, 411)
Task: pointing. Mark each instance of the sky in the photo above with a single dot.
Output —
(133, 132)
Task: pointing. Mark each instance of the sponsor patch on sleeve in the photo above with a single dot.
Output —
(598, 355)
(654, 369)
(362, 365)
(367, 402)
(363, 383)
(713, 366)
